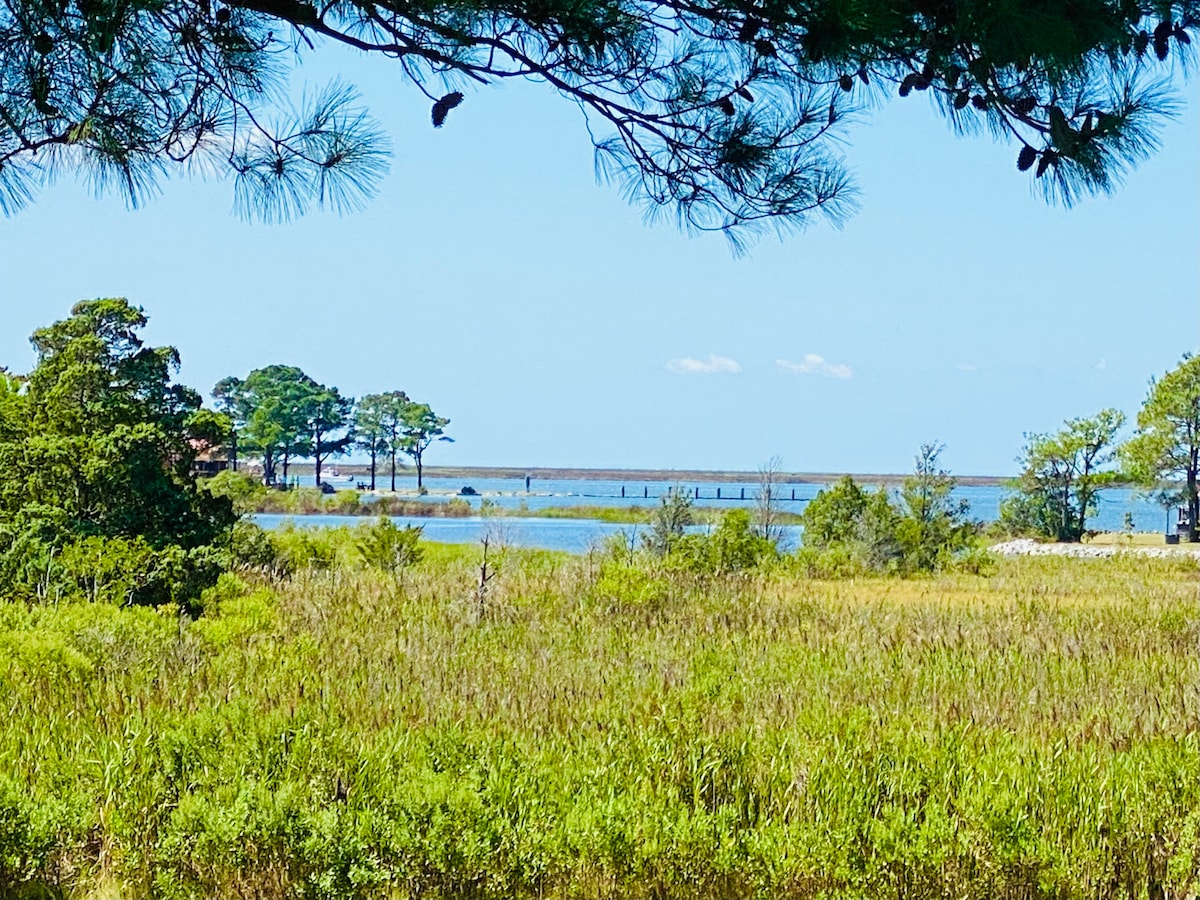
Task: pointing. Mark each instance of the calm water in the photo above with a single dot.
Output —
(571, 535)
(576, 535)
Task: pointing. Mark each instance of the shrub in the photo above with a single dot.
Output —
(128, 571)
(923, 531)
(302, 548)
(345, 503)
(245, 492)
(252, 548)
(734, 546)
(670, 521)
(384, 545)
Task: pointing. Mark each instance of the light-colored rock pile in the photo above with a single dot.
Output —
(1028, 547)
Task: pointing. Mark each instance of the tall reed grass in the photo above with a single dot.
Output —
(592, 730)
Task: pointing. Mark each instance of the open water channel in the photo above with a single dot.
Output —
(577, 535)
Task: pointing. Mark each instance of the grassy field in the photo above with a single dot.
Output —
(595, 728)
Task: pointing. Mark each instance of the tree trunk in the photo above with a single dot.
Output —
(393, 471)
(374, 453)
(417, 460)
(317, 455)
(1193, 504)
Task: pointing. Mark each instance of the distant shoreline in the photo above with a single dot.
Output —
(545, 473)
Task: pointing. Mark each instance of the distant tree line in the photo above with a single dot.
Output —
(99, 495)
(1053, 497)
(1062, 473)
(100, 500)
(280, 414)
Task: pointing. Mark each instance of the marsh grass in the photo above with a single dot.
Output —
(598, 729)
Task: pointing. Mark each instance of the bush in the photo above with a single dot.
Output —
(27, 837)
(302, 548)
(734, 546)
(245, 492)
(384, 545)
(252, 548)
(670, 521)
(924, 530)
(345, 503)
(850, 531)
(834, 561)
(128, 571)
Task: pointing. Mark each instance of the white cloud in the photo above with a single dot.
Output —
(967, 367)
(714, 365)
(812, 364)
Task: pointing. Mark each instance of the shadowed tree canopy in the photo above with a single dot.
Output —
(719, 112)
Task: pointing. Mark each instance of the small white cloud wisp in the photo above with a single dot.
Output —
(813, 364)
(713, 365)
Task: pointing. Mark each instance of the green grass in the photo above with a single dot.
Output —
(595, 729)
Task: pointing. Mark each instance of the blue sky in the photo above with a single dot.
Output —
(496, 280)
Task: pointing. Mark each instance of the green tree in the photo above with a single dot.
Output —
(932, 524)
(724, 114)
(737, 545)
(670, 522)
(418, 428)
(377, 420)
(267, 409)
(1061, 476)
(850, 529)
(100, 443)
(395, 408)
(834, 515)
(327, 418)
(1166, 446)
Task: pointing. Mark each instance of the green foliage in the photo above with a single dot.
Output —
(1164, 454)
(300, 549)
(721, 117)
(1061, 476)
(378, 428)
(735, 545)
(252, 548)
(932, 527)
(849, 531)
(384, 545)
(247, 494)
(671, 519)
(833, 516)
(419, 428)
(612, 730)
(96, 455)
(282, 414)
(130, 571)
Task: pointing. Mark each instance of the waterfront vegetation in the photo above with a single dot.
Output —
(198, 709)
(608, 725)
(251, 496)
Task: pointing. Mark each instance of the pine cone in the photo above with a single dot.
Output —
(443, 107)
